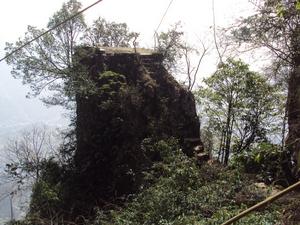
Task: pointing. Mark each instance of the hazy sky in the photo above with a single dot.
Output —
(142, 16)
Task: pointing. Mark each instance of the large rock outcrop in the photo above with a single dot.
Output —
(134, 99)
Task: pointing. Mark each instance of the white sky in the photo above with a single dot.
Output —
(142, 16)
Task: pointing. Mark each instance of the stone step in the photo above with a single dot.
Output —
(150, 61)
(192, 140)
(147, 57)
(152, 67)
(202, 157)
(151, 70)
(151, 64)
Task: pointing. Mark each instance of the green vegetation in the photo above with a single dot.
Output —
(48, 63)
(177, 191)
(275, 26)
(121, 163)
(257, 161)
(240, 108)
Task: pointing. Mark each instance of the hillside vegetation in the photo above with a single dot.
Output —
(145, 148)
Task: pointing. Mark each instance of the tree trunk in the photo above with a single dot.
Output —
(221, 148)
(293, 105)
(228, 133)
(283, 131)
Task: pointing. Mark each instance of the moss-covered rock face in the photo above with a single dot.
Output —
(134, 98)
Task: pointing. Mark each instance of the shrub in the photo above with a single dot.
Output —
(179, 192)
(268, 160)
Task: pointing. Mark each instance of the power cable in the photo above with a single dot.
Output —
(4, 196)
(49, 30)
(214, 31)
(164, 15)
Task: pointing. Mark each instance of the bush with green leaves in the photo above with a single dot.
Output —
(177, 191)
(268, 217)
(46, 197)
(257, 160)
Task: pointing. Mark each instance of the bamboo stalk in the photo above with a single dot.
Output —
(263, 203)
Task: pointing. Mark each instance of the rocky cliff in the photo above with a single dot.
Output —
(134, 101)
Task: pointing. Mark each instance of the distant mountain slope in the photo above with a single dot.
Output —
(16, 114)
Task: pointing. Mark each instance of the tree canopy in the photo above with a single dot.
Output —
(275, 26)
(239, 105)
(47, 66)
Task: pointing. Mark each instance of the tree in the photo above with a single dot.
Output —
(192, 70)
(46, 64)
(109, 34)
(177, 54)
(259, 115)
(169, 44)
(27, 153)
(224, 91)
(238, 103)
(275, 26)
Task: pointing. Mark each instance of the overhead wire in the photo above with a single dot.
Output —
(162, 18)
(5, 196)
(214, 31)
(49, 30)
(13, 190)
(164, 15)
(36, 38)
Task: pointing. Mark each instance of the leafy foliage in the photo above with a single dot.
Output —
(109, 34)
(178, 54)
(269, 217)
(46, 199)
(239, 106)
(181, 193)
(173, 189)
(258, 159)
(47, 64)
(170, 45)
(275, 26)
